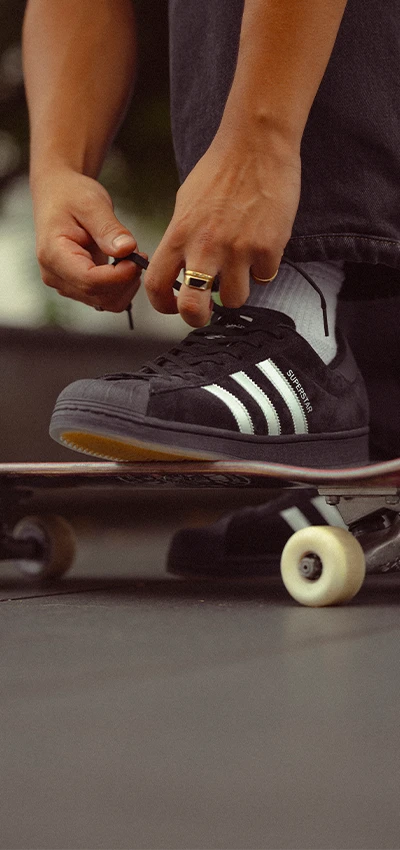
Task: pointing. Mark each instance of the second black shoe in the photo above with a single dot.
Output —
(248, 542)
(246, 387)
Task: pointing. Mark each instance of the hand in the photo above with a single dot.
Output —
(76, 230)
(235, 211)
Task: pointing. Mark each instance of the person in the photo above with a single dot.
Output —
(285, 120)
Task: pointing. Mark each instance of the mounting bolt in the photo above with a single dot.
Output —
(392, 500)
(332, 500)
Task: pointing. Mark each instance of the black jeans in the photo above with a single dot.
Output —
(369, 315)
(350, 201)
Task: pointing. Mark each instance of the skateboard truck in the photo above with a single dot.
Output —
(372, 514)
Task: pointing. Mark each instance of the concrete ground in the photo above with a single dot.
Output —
(142, 711)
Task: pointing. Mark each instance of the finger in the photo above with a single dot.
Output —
(112, 303)
(163, 269)
(263, 271)
(234, 285)
(194, 304)
(74, 272)
(114, 306)
(118, 298)
(108, 292)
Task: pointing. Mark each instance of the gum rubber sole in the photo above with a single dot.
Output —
(110, 448)
(131, 449)
(114, 434)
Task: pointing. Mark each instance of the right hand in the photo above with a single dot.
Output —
(76, 231)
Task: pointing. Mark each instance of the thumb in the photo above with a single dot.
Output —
(107, 231)
(123, 243)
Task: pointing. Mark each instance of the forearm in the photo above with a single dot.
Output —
(285, 47)
(79, 66)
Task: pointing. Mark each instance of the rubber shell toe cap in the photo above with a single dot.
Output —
(128, 394)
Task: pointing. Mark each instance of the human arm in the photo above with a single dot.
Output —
(79, 67)
(236, 208)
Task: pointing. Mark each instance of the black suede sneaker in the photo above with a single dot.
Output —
(246, 387)
(248, 542)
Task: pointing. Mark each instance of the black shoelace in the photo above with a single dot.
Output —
(216, 345)
(143, 264)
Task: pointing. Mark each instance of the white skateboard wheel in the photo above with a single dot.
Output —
(322, 565)
(56, 543)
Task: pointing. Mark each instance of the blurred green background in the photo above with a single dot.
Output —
(47, 341)
(139, 172)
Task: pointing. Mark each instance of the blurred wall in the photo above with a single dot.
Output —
(35, 365)
(41, 356)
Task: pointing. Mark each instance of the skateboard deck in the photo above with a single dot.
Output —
(320, 566)
(224, 473)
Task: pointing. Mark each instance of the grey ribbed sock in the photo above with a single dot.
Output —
(290, 293)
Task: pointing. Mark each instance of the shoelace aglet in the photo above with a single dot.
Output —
(130, 317)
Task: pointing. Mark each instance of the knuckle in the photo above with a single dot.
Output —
(89, 288)
(240, 245)
(109, 228)
(42, 254)
(151, 284)
(89, 201)
(47, 277)
(94, 193)
(177, 235)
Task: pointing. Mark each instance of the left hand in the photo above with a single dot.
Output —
(235, 211)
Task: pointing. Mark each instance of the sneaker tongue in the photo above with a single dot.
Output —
(246, 317)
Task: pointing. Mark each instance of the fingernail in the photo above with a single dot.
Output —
(121, 241)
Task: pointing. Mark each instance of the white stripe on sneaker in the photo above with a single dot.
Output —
(281, 384)
(239, 411)
(268, 409)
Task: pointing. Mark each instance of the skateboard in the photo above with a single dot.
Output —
(320, 566)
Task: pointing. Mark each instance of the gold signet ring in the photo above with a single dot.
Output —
(198, 280)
